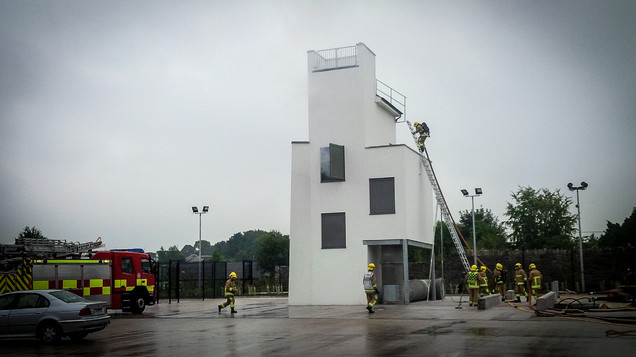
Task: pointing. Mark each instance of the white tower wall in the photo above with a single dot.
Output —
(344, 110)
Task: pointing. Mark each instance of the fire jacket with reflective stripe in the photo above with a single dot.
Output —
(230, 287)
(520, 276)
(471, 278)
(498, 277)
(369, 281)
(482, 279)
(535, 278)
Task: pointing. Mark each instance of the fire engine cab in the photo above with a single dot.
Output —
(132, 279)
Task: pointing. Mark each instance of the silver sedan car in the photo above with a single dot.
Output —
(49, 315)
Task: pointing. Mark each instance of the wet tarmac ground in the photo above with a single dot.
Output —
(270, 327)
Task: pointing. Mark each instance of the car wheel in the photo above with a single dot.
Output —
(50, 332)
(139, 305)
(78, 335)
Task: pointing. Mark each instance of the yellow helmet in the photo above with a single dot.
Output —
(232, 275)
(518, 265)
(499, 266)
(371, 266)
(473, 268)
(483, 268)
(532, 266)
(416, 124)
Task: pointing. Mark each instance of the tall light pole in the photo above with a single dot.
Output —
(195, 210)
(578, 208)
(478, 192)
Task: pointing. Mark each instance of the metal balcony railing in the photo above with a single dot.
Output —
(333, 58)
(395, 98)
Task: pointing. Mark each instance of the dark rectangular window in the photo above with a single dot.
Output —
(146, 266)
(332, 163)
(126, 265)
(334, 232)
(382, 195)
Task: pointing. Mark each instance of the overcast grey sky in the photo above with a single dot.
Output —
(117, 116)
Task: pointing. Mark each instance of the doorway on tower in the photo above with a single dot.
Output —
(403, 270)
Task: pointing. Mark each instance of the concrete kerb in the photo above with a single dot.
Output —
(546, 301)
(488, 301)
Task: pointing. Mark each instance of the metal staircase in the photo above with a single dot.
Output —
(441, 202)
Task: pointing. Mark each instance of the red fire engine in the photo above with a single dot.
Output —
(124, 278)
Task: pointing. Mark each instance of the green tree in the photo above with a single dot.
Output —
(188, 250)
(540, 219)
(172, 253)
(617, 235)
(31, 232)
(442, 233)
(206, 247)
(241, 246)
(272, 250)
(489, 232)
(217, 256)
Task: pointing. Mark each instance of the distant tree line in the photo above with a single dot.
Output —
(536, 219)
(268, 249)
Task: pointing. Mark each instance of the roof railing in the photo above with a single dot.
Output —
(341, 57)
(395, 98)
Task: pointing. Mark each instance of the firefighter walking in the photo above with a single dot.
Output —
(535, 283)
(520, 282)
(499, 276)
(473, 286)
(370, 287)
(230, 289)
(483, 282)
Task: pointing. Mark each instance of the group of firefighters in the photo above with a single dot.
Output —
(478, 283)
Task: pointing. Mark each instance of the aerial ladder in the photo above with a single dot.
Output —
(34, 248)
(441, 201)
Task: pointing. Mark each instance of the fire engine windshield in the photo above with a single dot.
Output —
(146, 267)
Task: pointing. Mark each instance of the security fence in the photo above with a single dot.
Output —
(176, 280)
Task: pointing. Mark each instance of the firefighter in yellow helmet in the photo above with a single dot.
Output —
(520, 282)
(499, 276)
(473, 286)
(535, 282)
(424, 132)
(370, 287)
(230, 289)
(483, 282)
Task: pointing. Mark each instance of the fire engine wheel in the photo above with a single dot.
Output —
(138, 304)
(50, 332)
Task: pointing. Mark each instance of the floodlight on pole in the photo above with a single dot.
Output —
(195, 210)
(571, 187)
(478, 192)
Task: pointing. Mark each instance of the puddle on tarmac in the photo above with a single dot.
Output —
(480, 331)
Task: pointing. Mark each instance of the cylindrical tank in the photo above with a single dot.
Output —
(419, 289)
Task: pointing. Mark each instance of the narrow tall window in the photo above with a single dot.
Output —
(332, 163)
(334, 230)
(382, 195)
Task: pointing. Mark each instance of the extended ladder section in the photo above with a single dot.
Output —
(33, 247)
(446, 215)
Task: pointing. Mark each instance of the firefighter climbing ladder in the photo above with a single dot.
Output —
(441, 202)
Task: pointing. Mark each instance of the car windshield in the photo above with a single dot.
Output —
(68, 296)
